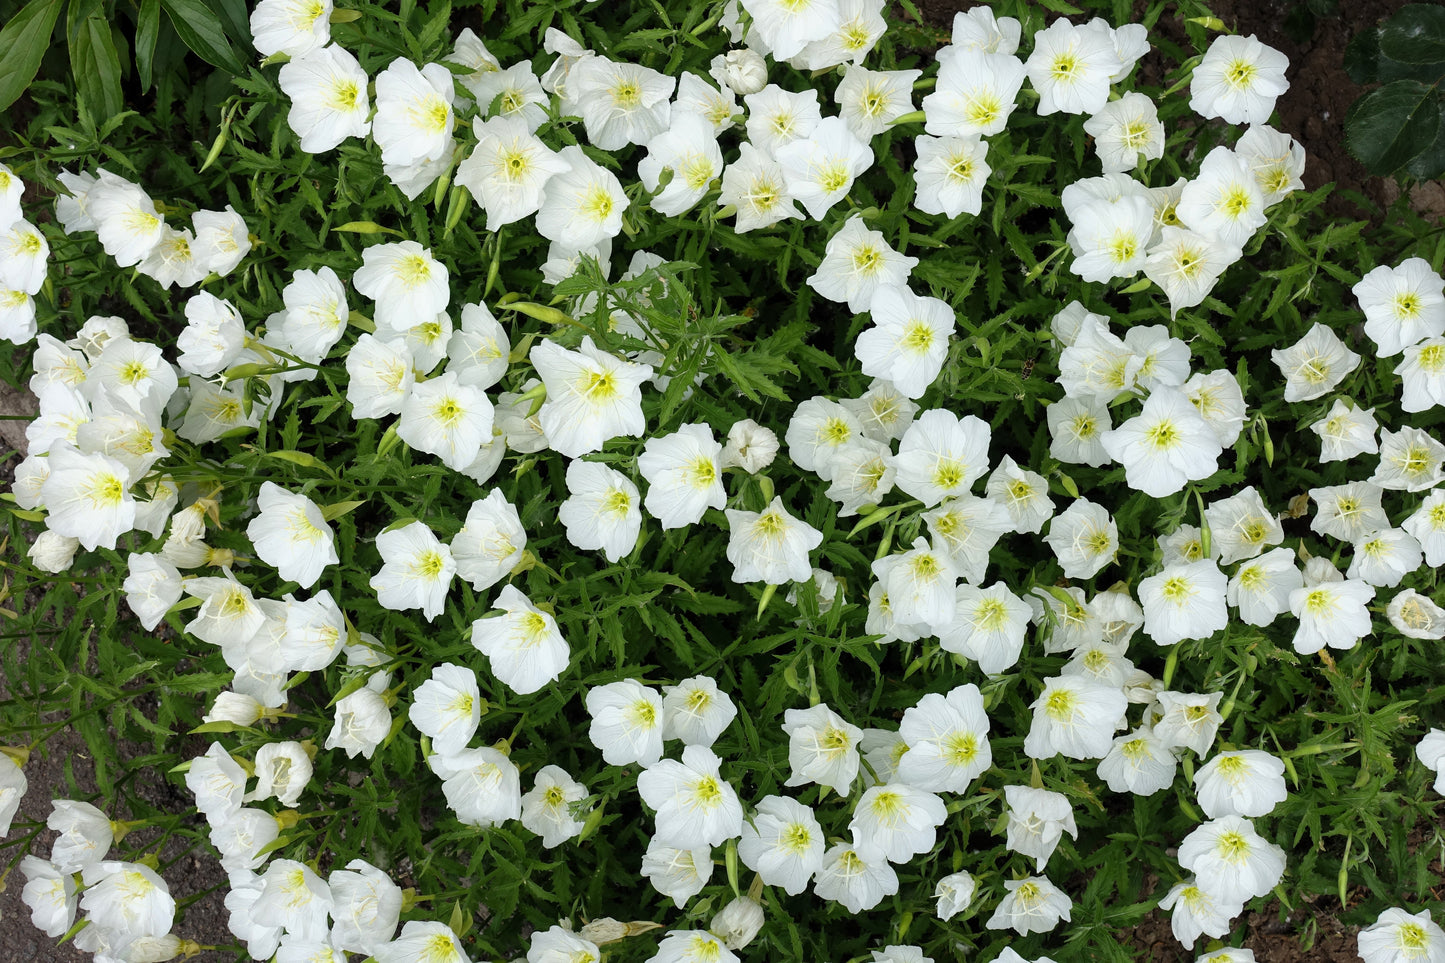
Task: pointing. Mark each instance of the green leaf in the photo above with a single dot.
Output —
(201, 31)
(23, 42)
(1429, 164)
(95, 63)
(1415, 35)
(1362, 57)
(1388, 127)
(148, 27)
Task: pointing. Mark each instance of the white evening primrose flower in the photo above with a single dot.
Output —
(1430, 750)
(296, 898)
(1188, 720)
(152, 586)
(920, 586)
(950, 173)
(71, 209)
(897, 820)
(1415, 616)
(740, 71)
(817, 432)
(857, 263)
(908, 341)
(1096, 365)
(550, 808)
(1037, 820)
(600, 511)
(316, 313)
(219, 784)
(1075, 716)
(855, 876)
(1398, 936)
(290, 27)
(1184, 601)
(327, 88)
(692, 946)
(260, 938)
(86, 834)
(1422, 373)
(869, 100)
(1276, 160)
(988, 626)
(508, 170)
(1402, 305)
(447, 707)
(50, 894)
(620, 103)
(1384, 557)
(881, 620)
(406, 282)
(1231, 860)
(1331, 613)
(490, 542)
(558, 945)
(12, 789)
(770, 546)
(696, 97)
(283, 769)
(778, 117)
(1427, 524)
(882, 412)
(1350, 511)
(1125, 130)
(968, 527)
(753, 185)
(862, 474)
(1111, 240)
(444, 417)
(222, 241)
(683, 475)
(413, 120)
(516, 92)
(592, 396)
(1238, 80)
(1084, 538)
(626, 722)
(17, 316)
(126, 219)
(366, 906)
(955, 892)
(782, 843)
(482, 786)
(23, 256)
(882, 749)
(478, 351)
(1248, 782)
(695, 807)
(1165, 446)
(696, 711)
(51, 552)
(975, 93)
(750, 446)
(423, 943)
(947, 738)
(1197, 913)
(1223, 201)
(678, 874)
(213, 338)
(1023, 495)
(1185, 264)
(786, 26)
(128, 899)
(1240, 526)
(1138, 762)
(173, 260)
(11, 189)
(942, 455)
(362, 721)
(819, 170)
(581, 206)
(291, 534)
(1165, 359)
(416, 570)
(1411, 460)
(1033, 905)
(1071, 68)
(87, 497)
(822, 748)
(738, 923)
(688, 149)
(1076, 427)
(379, 376)
(524, 646)
(860, 28)
(1314, 365)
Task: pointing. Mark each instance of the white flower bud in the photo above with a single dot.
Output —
(234, 707)
(738, 922)
(743, 70)
(750, 447)
(53, 552)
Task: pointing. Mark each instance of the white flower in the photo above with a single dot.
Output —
(1431, 752)
(600, 511)
(947, 738)
(950, 174)
(975, 93)
(1076, 427)
(920, 587)
(482, 786)
(771, 546)
(416, 570)
(620, 103)
(447, 707)
(291, 27)
(1111, 240)
(1074, 716)
(125, 218)
(679, 874)
(691, 946)
(1384, 557)
(219, 784)
(626, 722)
(1410, 460)
(1023, 495)
(12, 789)
(1422, 372)
(1249, 782)
(1037, 820)
(23, 256)
(1276, 159)
(291, 534)
(754, 186)
(1096, 366)
(379, 376)
(429, 942)
(787, 27)
(1071, 68)
(897, 820)
(955, 892)
(855, 877)
(1184, 601)
(366, 906)
(1238, 80)
(737, 923)
(1188, 720)
(881, 412)
(128, 899)
(683, 474)
(778, 117)
(1402, 305)
(909, 340)
(444, 417)
(1125, 129)
(1398, 936)
(1261, 587)
(558, 945)
(1241, 527)
(1223, 201)
(1197, 913)
(53, 552)
(750, 447)
(1331, 613)
(1186, 265)
(1033, 905)
(816, 433)
(282, 770)
(822, 748)
(490, 543)
(50, 894)
(406, 281)
(152, 586)
(508, 171)
(743, 70)
(858, 264)
(1350, 511)
(87, 497)
(86, 835)
(222, 241)
(1315, 364)
(1165, 446)
(1231, 860)
(1427, 524)
(782, 843)
(696, 711)
(592, 396)
(327, 88)
(524, 647)
(941, 455)
(1084, 538)
(549, 808)
(819, 170)
(869, 100)
(296, 898)
(695, 807)
(1138, 762)
(1416, 616)
(988, 626)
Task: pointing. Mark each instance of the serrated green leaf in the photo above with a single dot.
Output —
(1415, 35)
(1387, 128)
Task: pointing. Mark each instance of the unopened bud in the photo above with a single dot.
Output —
(744, 71)
(737, 923)
(609, 930)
